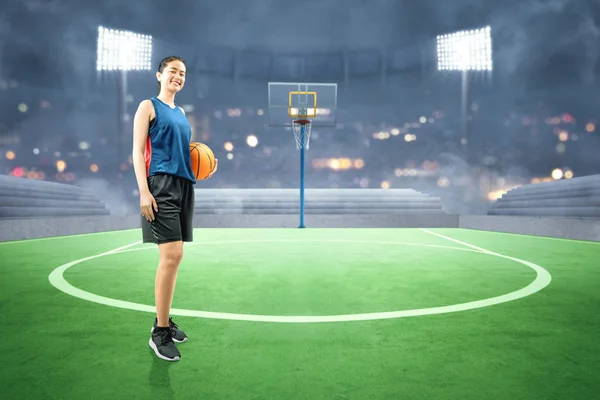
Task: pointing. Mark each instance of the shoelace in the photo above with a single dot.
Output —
(165, 337)
(172, 324)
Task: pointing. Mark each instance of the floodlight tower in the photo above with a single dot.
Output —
(123, 51)
(465, 51)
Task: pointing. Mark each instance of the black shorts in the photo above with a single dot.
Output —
(174, 220)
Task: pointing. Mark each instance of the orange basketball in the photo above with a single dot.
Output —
(202, 159)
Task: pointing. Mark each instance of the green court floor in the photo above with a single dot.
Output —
(305, 314)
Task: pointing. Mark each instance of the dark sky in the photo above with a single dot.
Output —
(53, 36)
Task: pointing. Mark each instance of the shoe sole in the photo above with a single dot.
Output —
(175, 340)
(153, 347)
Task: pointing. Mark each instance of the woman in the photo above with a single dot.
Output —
(161, 159)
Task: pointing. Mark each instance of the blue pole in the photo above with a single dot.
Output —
(301, 176)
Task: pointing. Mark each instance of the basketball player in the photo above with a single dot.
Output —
(161, 159)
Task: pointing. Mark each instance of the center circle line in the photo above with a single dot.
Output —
(543, 279)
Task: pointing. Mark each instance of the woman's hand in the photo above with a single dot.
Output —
(214, 169)
(148, 205)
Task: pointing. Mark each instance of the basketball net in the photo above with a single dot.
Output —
(302, 129)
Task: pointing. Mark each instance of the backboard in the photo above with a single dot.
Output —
(287, 99)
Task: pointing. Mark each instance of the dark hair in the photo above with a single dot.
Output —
(163, 64)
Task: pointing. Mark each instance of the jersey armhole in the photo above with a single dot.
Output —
(152, 122)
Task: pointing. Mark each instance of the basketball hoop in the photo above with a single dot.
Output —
(301, 129)
(302, 111)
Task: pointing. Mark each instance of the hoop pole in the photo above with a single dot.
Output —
(302, 132)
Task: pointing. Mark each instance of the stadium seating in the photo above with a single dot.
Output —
(317, 201)
(31, 209)
(573, 198)
(25, 198)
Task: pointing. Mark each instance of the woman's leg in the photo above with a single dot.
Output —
(165, 229)
(163, 335)
(171, 254)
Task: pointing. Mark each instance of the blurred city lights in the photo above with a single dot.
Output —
(252, 140)
(443, 182)
(61, 165)
(590, 127)
(563, 136)
(381, 135)
(557, 174)
(18, 172)
(338, 163)
(234, 112)
(495, 195)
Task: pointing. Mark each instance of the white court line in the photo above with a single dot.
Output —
(56, 276)
(543, 278)
(189, 244)
(459, 242)
(25, 241)
(582, 241)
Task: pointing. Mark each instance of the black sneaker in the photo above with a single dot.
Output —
(162, 344)
(177, 334)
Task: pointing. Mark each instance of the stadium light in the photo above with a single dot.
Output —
(123, 51)
(465, 51)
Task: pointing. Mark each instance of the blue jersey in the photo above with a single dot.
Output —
(168, 145)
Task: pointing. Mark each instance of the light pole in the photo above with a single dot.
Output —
(122, 51)
(465, 51)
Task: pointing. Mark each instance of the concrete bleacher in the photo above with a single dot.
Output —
(316, 201)
(323, 208)
(573, 198)
(566, 209)
(24, 198)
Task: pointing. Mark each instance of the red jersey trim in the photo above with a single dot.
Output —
(148, 155)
